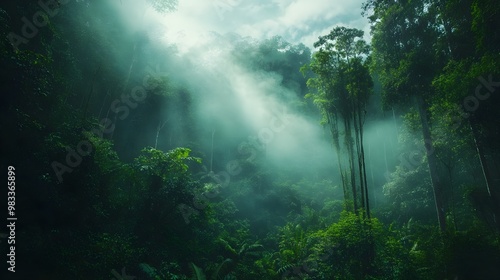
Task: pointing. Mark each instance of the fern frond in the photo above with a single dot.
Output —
(197, 272)
(284, 268)
(216, 275)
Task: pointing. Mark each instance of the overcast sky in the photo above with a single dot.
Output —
(298, 21)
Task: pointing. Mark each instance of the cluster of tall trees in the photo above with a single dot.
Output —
(431, 55)
(440, 58)
(343, 85)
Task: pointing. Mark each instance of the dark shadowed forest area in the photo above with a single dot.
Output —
(231, 139)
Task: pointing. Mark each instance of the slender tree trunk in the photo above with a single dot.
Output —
(212, 151)
(357, 132)
(158, 129)
(363, 165)
(488, 177)
(350, 148)
(432, 163)
(334, 130)
(449, 168)
(371, 173)
(358, 126)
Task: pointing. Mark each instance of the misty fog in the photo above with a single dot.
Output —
(249, 111)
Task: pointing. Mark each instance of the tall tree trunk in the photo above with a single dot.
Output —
(488, 175)
(212, 151)
(371, 173)
(363, 165)
(334, 130)
(350, 149)
(359, 144)
(358, 126)
(432, 163)
(158, 129)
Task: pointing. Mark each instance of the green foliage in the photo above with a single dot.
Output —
(293, 245)
(162, 164)
(162, 274)
(343, 250)
(347, 244)
(406, 201)
(244, 249)
(197, 272)
(484, 19)
(103, 154)
(419, 257)
(275, 56)
(403, 56)
(265, 266)
(160, 86)
(150, 271)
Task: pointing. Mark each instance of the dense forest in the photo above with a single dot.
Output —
(129, 152)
